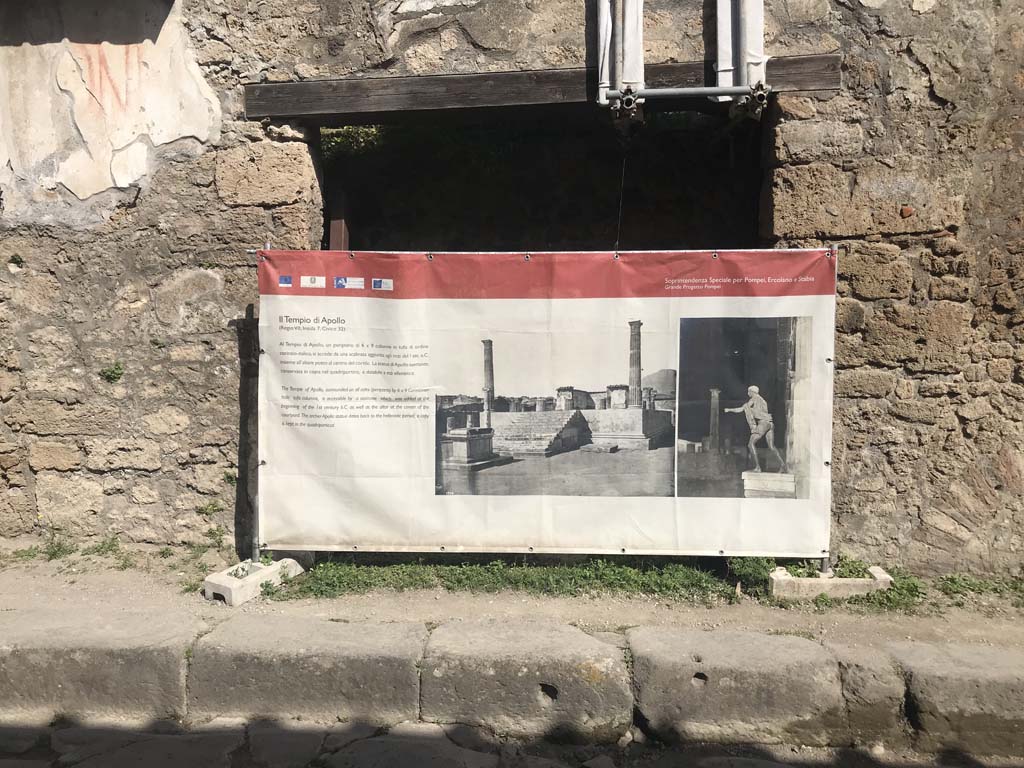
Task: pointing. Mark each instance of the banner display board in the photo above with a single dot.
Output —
(641, 403)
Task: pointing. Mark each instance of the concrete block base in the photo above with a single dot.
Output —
(786, 587)
(241, 583)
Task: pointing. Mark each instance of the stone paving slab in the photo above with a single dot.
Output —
(114, 663)
(526, 679)
(285, 666)
(736, 687)
(964, 696)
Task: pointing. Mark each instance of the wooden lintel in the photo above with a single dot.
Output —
(368, 99)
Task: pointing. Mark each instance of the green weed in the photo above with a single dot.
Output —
(29, 553)
(57, 547)
(906, 594)
(850, 568)
(16, 260)
(231, 478)
(752, 573)
(107, 546)
(165, 552)
(113, 373)
(210, 508)
(592, 577)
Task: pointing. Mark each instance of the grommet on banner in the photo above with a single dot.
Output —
(442, 549)
(430, 257)
(616, 256)
(714, 255)
(263, 351)
(828, 463)
(351, 255)
(526, 257)
(828, 359)
(263, 462)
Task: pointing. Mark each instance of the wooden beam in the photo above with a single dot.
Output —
(368, 99)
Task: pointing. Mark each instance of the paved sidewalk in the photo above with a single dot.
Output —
(497, 680)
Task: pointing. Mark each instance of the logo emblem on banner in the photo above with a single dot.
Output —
(312, 281)
(350, 283)
(284, 281)
(383, 284)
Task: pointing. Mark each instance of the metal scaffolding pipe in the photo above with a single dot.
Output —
(684, 93)
(604, 45)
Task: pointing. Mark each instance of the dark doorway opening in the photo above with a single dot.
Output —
(691, 181)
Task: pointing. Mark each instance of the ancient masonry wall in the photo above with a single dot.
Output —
(131, 186)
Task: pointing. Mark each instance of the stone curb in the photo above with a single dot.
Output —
(61, 663)
(523, 680)
(527, 680)
(269, 666)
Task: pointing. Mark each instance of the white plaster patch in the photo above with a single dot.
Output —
(923, 6)
(130, 164)
(76, 114)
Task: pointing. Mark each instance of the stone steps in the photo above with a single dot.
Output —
(531, 433)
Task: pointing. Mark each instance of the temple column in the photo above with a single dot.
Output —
(635, 395)
(488, 380)
(715, 410)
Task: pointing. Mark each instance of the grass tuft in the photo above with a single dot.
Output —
(107, 546)
(592, 577)
(57, 547)
(752, 573)
(906, 594)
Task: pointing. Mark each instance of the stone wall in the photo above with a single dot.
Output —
(131, 186)
(915, 172)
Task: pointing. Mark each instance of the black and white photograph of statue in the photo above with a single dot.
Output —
(557, 414)
(742, 427)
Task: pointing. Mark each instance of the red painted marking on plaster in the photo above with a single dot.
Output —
(568, 275)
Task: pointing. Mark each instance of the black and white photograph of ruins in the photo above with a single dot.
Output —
(742, 428)
(513, 431)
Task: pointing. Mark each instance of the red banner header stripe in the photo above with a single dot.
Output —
(549, 275)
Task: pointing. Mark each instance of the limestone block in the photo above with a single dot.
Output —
(46, 417)
(965, 696)
(876, 271)
(873, 689)
(134, 453)
(213, 748)
(285, 744)
(241, 583)
(784, 586)
(850, 315)
(864, 383)
(924, 339)
(290, 666)
(736, 686)
(803, 141)
(820, 199)
(168, 420)
(171, 299)
(119, 663)
(526, 679)
(266, 173)
(411, 744)
(62, 457)
(16, 513)
(69, 502)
